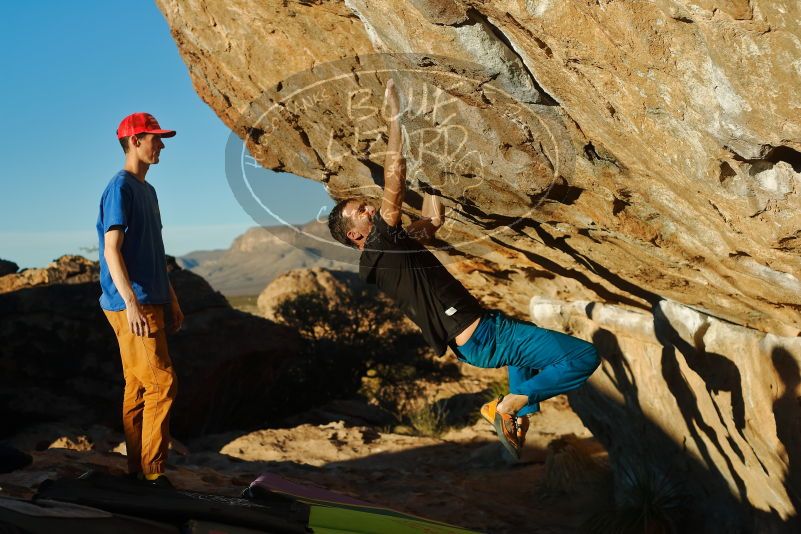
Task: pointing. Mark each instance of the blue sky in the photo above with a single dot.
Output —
(71, 72)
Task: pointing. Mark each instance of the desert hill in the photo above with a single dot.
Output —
(256, 257)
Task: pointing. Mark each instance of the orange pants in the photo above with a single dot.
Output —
(150, 388)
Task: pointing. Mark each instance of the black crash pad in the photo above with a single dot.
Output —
(48, 517)
(124, 495)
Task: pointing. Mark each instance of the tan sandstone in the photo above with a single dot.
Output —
(603, 151)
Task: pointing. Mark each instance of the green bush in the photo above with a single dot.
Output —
(358, 342)
(429, 419)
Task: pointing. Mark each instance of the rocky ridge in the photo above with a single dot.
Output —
(8, 267)
(64, 270)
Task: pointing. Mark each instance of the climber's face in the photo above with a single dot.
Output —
(360, 213)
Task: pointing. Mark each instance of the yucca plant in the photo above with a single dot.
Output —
(648, 503)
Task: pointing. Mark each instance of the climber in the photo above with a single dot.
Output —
(541, 363)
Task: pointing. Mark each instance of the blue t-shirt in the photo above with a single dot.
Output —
(133, 206)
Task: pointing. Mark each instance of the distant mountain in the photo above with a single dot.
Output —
(260, 254)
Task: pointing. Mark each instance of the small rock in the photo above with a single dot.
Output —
(79, 443)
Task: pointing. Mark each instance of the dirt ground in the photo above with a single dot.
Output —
(463, 477)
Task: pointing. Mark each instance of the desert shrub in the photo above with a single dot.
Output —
(569, 466)
(429, 419)
(393, 388)
(356, 342)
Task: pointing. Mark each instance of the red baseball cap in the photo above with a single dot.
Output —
(137, 123)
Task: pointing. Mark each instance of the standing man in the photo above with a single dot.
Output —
(136, 292)
(541, 363)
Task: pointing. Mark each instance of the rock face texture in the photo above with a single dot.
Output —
(612, 152)
(680, 119)
(59, 360)
(711, 400)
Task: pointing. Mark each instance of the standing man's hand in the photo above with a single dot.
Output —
(177, 315)
(137, 321)
(175, 311)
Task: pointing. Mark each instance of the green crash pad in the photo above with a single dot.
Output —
(332, 513)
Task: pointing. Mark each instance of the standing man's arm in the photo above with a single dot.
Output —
(394, 164)
(175, 309)
(119, 274)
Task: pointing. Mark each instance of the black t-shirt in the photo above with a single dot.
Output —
(413, 277)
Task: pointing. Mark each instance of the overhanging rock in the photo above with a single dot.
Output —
(674, 172)
(622, 153)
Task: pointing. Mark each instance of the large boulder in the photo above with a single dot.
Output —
(692, 401)
(634, 150)
(332, 285)
(623, 153)
(60, 361)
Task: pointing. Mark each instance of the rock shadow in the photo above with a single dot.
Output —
(787, 413)
(701, 498)
(719, 374)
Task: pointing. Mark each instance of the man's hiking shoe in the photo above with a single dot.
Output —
(511, 434)
(161, 481)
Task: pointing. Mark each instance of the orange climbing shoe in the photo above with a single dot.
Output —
(511, 430)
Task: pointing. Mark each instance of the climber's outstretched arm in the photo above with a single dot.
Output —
(394, 164)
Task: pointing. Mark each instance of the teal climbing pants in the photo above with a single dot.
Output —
(541, 363)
